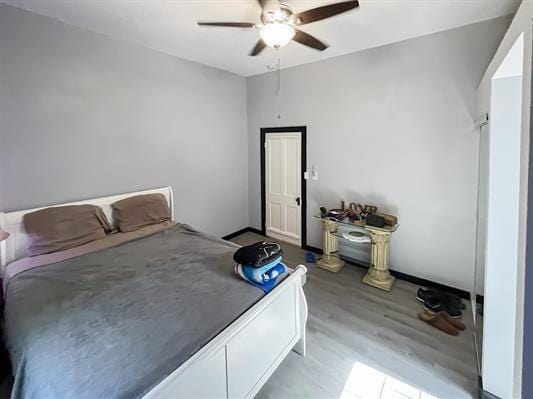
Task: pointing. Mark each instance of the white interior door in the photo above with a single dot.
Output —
(283, 186)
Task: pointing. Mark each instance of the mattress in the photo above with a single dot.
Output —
(115, 322)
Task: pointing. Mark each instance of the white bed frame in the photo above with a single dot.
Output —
(238, 361)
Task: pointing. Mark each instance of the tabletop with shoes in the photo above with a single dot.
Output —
(442, 310)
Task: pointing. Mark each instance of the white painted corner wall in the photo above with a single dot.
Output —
(509, 384)
(500, 299)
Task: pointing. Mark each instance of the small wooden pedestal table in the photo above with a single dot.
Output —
(378, 274)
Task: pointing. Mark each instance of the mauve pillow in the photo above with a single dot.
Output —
(133, 213)
(63, 227)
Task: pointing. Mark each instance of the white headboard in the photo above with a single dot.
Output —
(15, 246)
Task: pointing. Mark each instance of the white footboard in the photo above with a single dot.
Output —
(238, 362)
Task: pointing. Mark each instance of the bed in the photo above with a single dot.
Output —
(156, 316)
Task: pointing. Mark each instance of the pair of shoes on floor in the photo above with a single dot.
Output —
(442, 321)
(439, 301)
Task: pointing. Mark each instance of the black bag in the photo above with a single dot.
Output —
(375, 220)
(258, 254)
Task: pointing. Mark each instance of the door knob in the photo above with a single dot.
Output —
(298, 200)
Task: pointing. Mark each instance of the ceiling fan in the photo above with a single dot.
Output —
(279, 24)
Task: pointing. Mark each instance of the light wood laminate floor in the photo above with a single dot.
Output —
(364, 343)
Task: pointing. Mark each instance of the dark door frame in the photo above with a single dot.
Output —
(303, 208)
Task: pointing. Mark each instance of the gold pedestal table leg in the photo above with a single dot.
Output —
(330, 260)
(378, 275)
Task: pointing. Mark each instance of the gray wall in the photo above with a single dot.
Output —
(391, 126)
(83, 115)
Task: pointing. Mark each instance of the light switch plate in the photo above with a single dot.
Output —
(306, 175)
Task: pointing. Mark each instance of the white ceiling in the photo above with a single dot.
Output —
(170, 25)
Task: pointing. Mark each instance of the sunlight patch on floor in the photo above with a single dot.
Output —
(364, 382)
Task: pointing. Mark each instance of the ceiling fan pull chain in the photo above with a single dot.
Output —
(278, 87)
(278, 77)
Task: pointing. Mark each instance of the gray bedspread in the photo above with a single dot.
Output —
(114, 323)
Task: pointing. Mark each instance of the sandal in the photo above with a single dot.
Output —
(454, 322)
(439, 322)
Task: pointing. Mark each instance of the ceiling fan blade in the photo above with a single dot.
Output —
(269, 5)
(228, 24)
(309, 41)
(319, 13)
(260, 46)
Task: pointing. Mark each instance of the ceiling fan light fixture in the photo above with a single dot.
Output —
(279, 24)
(277, 35)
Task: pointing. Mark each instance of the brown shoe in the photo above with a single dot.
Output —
(438, 321)
(453, 321)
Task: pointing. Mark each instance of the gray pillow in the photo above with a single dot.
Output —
(139, 211)
(63, 227)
